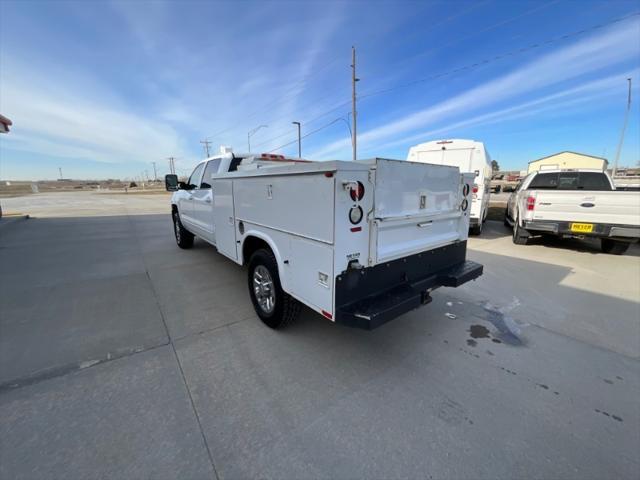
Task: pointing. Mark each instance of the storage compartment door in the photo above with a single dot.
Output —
(417, 208)
(224, 227)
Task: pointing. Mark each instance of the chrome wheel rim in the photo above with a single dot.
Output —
(263, 289)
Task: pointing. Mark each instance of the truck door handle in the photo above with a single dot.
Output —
(425, 224)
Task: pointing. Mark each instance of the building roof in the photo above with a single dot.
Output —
(569, 151)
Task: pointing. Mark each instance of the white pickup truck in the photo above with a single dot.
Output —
(574, 203)
(358, 242)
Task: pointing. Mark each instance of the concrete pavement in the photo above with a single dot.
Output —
(123, 356)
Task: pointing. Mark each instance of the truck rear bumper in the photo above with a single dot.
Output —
(369, 297)
(623, 232)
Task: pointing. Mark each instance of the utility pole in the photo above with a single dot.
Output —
(172, 165)
(206, 144)
(299, 140)
(60, 170)
(155, 174)
(251, 132)
(354, 113)
(624, 127)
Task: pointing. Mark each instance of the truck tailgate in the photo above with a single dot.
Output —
(610, 207)
(416, 208)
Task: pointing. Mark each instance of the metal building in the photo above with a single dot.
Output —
(566, 160)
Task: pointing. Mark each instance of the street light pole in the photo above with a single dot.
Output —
(299, 140)
(354, 113)
(251, 132)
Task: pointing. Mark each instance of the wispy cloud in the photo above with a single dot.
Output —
(581, 95)
(60, 120)
(585, 56)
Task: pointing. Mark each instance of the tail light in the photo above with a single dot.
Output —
(357, 192)
(531, 203)
(474, 190)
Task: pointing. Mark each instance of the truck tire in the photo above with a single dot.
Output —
(614, 247)
(506, 218)
(184, 238)
(520, 235)
(476, 229)
(274, 306)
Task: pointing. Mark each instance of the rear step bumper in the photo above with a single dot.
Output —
(399, 286)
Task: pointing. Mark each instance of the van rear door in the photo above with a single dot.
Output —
(416, 208)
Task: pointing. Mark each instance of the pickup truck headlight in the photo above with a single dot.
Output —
(355, 215)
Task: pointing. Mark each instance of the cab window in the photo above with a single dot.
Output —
(195, 176)
(212, 168)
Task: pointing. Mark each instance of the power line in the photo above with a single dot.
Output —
(446, 20)
(500, 56)
(308, 134)
(457, 70)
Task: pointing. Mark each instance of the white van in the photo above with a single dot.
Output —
(470, 157)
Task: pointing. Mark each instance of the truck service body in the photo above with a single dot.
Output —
(574, 203)
(358, 242)
(470, 157)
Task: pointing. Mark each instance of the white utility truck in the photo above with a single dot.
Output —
(574, 203)
(470, 157)
(358, 242)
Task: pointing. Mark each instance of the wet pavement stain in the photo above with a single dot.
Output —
(479, 331)
(606, 380)
(541, 385)
(508, 330)
(489, 352)
(508, 371)
(618, 377)
(606, 414)
(469, 353)
(471, 342)
(496, 340)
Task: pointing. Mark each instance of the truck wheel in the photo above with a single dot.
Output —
(520, 235)
(476, 229)
(614, 247)
(184, 238)
(275, 308)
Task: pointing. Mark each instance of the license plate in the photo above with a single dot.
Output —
(582, 227)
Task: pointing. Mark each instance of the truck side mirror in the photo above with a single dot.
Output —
(171, 182)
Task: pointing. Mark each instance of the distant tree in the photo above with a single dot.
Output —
(133, 185)
(495, 166)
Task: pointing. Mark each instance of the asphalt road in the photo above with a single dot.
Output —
(122, 356)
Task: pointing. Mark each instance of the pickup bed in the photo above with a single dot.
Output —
(358, 242)
(576, 203)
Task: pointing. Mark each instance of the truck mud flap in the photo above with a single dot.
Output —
(370, 297)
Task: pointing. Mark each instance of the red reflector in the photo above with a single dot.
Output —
(475, 189)
(356, 229)
(328, 174)
(327, 314)
(531, 203)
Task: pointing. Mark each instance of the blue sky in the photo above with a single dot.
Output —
(102, 89)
